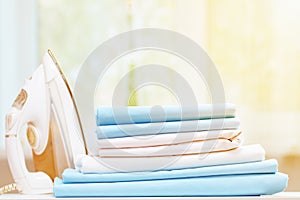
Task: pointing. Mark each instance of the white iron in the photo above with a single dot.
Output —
(46, 107)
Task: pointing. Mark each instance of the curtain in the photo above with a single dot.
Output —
(18, 59)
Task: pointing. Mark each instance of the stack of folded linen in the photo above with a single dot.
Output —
(167, 131)
(171, 151)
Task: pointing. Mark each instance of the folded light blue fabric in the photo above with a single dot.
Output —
(125, 130)
(231, 185)
(148, 114)
(263, 167)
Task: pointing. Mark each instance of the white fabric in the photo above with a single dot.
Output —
(249, 153)
(207, 146)
(165, 139)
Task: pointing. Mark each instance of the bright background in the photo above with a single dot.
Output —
(254, 44)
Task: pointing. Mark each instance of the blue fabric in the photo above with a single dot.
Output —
(268, 166)
(148, 114)
(230, 185)
(125, 130)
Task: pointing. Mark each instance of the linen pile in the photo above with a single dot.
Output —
(171, 151)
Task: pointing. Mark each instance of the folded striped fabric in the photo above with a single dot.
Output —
(166, 139)
(125, 130)
(233, 185)
(196, 147)
(148, 114)
(263, 167)
(243, 154)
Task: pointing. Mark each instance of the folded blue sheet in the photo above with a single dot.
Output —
(230, 185)
(148, 114)
(125, 130)
(263, 167)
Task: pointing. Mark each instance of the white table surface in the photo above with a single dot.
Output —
(283, 195)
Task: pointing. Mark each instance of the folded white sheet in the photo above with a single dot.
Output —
(197, 147)
(249, 153)
(165, 139)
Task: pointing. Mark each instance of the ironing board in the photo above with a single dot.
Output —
(279, 196)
